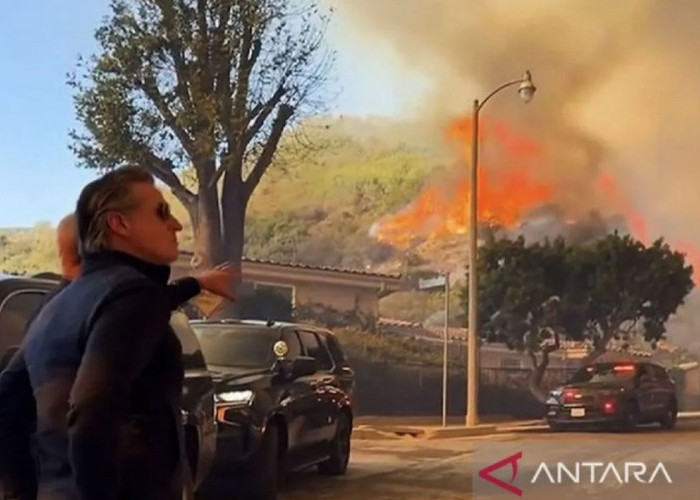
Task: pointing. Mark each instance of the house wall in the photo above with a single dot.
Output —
(339, 298)
(308, 288)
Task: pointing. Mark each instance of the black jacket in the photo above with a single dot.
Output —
(106, 373)
(17, 424)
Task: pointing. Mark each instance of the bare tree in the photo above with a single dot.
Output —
(210, 85)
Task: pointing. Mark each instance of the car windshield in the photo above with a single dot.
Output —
(236, 346)
(603, 373)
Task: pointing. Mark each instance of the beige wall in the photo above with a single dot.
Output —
(692, 382)
(338, 296)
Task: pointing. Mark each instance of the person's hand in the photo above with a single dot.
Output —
(218, 280)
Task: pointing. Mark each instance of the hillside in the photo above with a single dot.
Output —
(333, 178)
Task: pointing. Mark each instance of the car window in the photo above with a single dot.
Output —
(15, 312)
(237, 346)
(192, 356)
(292, 340)
(314, 349)
(336, 350)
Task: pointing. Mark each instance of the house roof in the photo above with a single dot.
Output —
(297, 265)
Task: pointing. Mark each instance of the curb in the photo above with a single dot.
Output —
(368, 432)
(460, 432)
(423, 433)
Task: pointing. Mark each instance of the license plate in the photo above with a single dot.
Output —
(578, 412)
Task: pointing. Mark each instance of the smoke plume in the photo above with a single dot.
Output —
(617, 91)
(616, 88)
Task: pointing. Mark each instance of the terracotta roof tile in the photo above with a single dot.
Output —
(314, 268)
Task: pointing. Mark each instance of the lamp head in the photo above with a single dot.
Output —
(527, 88)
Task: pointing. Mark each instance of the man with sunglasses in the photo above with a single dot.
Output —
(105, 367)
(18, 476)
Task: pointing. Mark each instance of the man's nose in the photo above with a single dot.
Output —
(175, 224)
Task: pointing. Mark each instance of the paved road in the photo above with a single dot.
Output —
(442, 469)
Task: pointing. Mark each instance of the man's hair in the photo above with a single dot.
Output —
(110, 192)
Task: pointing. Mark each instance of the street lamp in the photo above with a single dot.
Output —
(526, 89)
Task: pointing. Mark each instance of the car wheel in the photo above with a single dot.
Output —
(337, 463)
(631, 418)
(263, 467)
(668, 421)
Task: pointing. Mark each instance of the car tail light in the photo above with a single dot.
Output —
(608, 406)
(570, 396)
(624, 368)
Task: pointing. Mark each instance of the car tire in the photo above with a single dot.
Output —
(555, 427)
(631, 417)
(668, 421)
(337, 463)
(262, 476)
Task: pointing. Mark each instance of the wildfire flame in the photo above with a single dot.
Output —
(507, 191)
(505, 186)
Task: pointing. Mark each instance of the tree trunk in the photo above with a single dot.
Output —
(234, 202)
(537, 374)
(208, 248)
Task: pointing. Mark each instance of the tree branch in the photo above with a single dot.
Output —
(250, 50)
(264, 112)
(221, 58)
(284, 113)
(149, 87)
(206, 78)
(163, 170)
(174, 45)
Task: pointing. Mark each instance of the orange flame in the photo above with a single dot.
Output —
(506, 190)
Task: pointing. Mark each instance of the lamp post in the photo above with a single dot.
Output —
(526, 90)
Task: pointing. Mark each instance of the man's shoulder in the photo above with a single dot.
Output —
(117, 276)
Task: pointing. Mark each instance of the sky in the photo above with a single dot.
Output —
(40, 43)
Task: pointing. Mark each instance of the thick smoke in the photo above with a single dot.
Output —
(617, 90)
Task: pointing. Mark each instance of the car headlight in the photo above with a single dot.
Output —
(235, 397)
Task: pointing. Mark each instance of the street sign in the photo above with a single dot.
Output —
(428, 283)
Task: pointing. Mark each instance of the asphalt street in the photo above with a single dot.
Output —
(416, 469)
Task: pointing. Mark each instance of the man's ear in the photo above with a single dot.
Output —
(118, 223)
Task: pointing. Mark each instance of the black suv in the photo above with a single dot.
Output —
(20, 297)
(284, 399)
(621, 394)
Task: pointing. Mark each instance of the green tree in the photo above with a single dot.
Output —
(207, 84)
(530, 299)
(633, 290)
(534, 296)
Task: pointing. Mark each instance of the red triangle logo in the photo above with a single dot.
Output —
(485, 473)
